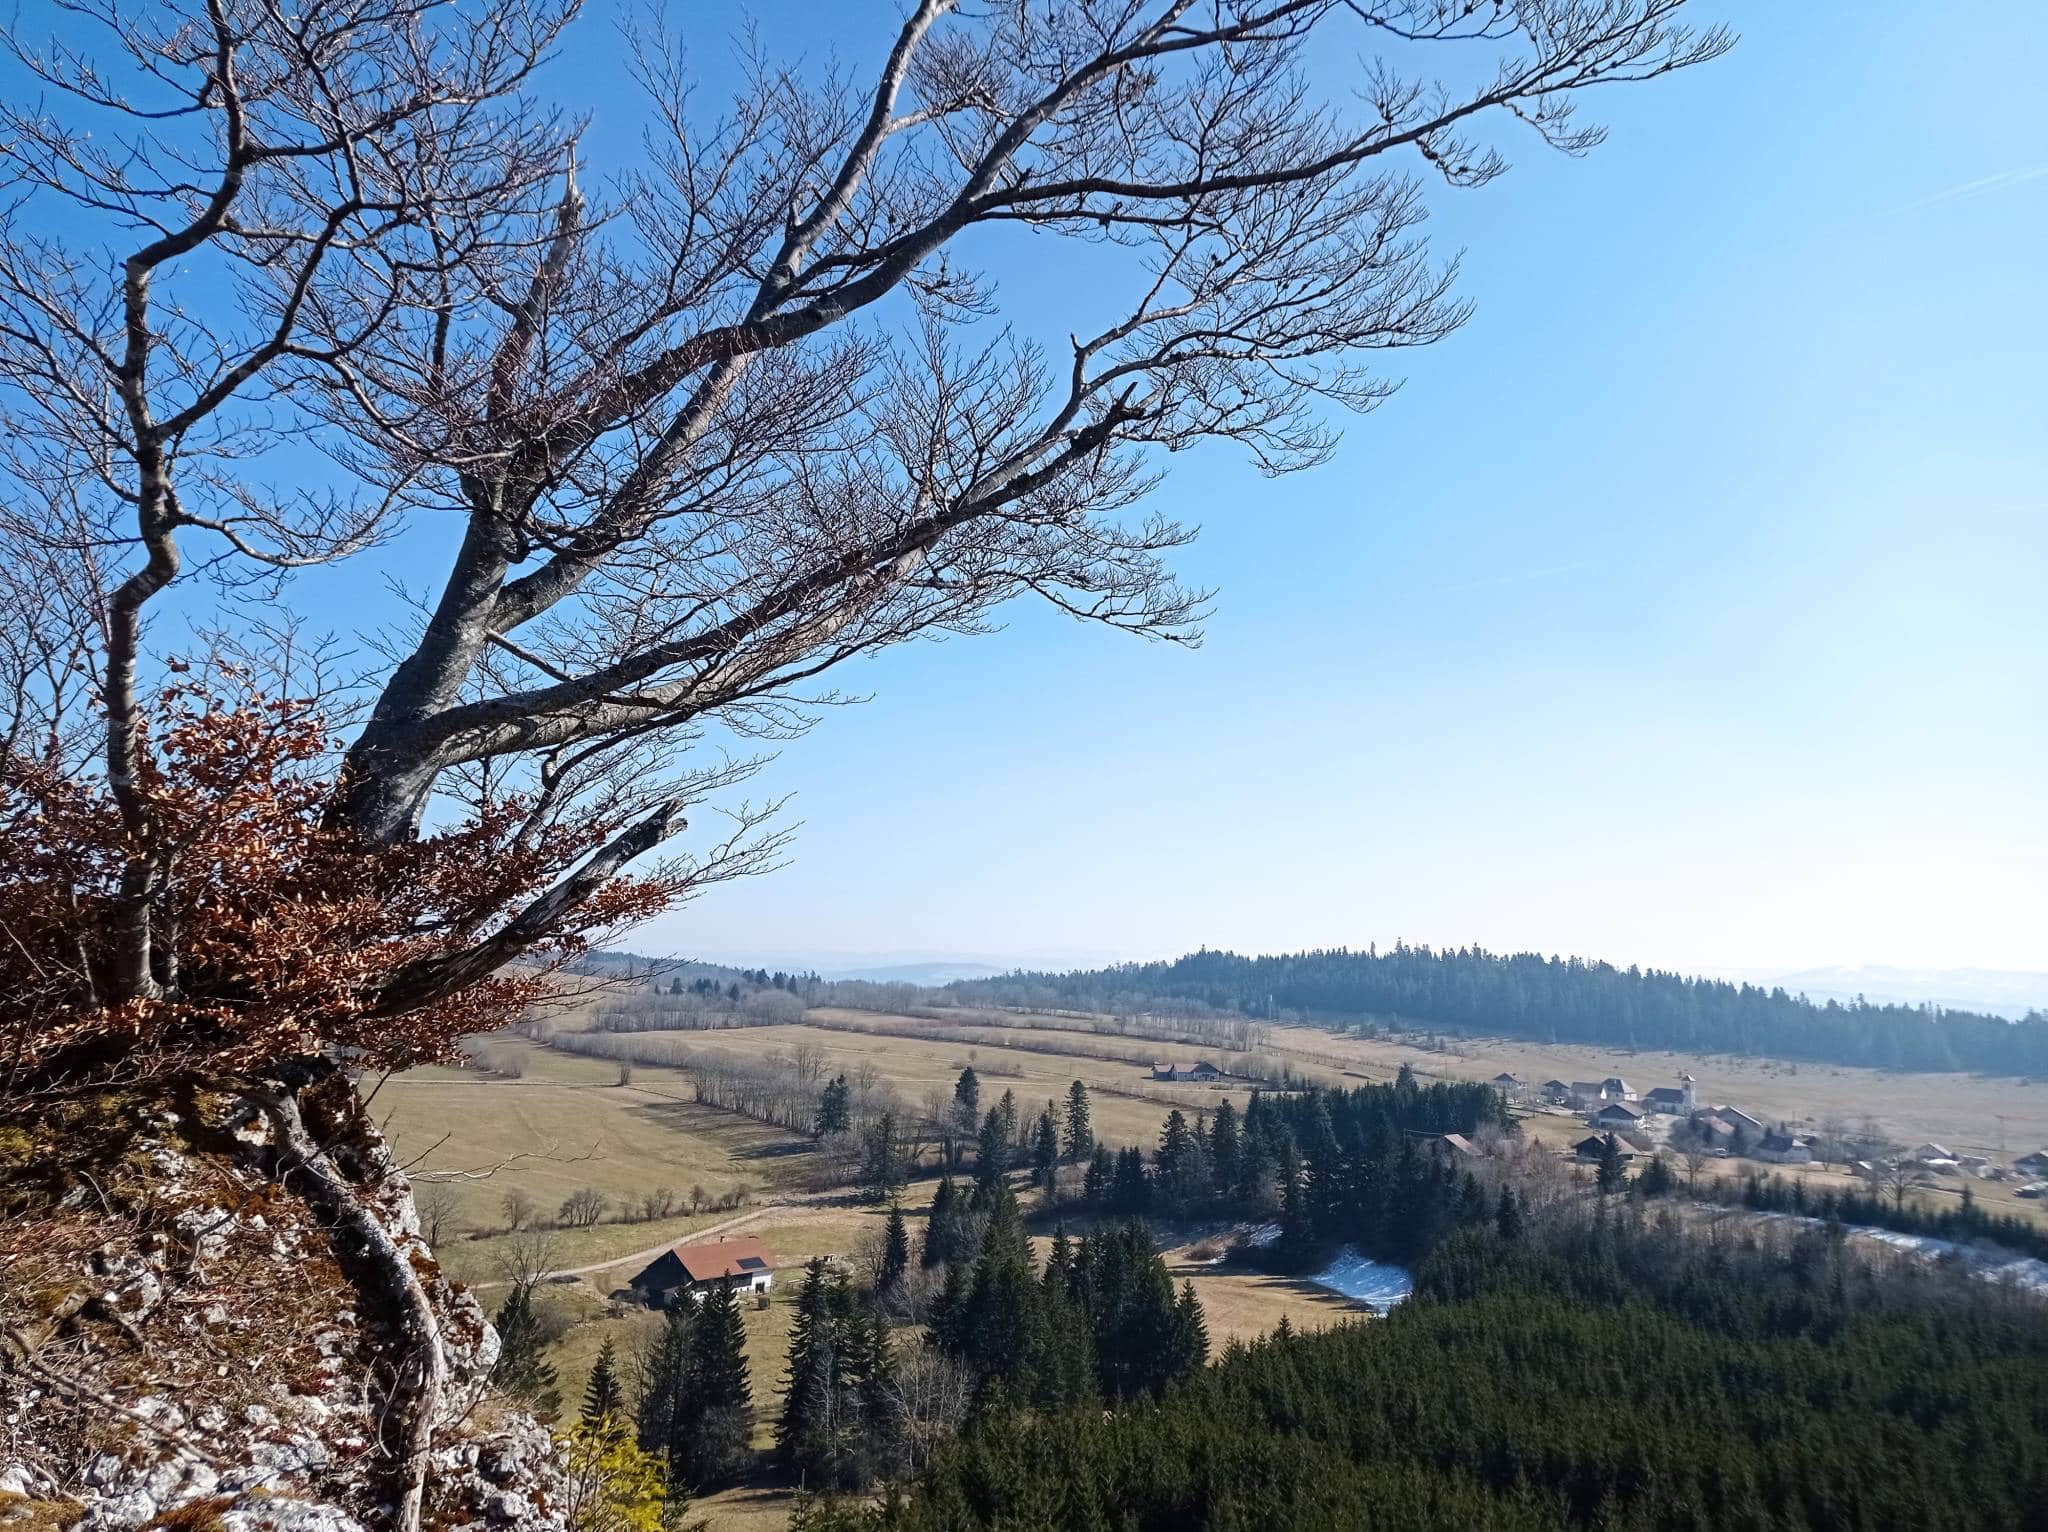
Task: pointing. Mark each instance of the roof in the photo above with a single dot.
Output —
(1665, 1093)
(709, 1261)
(1586, 1087)
(1565, 1085)
(1616, 1081)
(1461, 1143)
(1504, 1075)
(1620, 1107)
(1596, 1144)
(1778, 1143)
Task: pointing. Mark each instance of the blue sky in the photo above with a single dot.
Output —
(1686, 608)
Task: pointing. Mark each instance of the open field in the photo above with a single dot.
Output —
(565, 1125)
(1126, 1107)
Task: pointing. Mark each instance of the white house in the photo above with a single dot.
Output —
(1784, 1149)
(744, 1264)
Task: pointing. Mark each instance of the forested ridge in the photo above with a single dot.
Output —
(1615, 1372)
(1544, 999)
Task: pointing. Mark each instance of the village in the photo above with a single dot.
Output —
(1673, 1117)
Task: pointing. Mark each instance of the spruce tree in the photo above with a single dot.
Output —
(835, 1108)
(602, 1398)
(522, 1371)
(938, 1225)
(1507, 1215)
(806, 1389)
(895, 1250)
(1079, 1140)
(881, 1172)
(1223, 1149)
(665, 1371)
(1045, 1149)
(1190, 1333)
(991, 1155)
(1609, 1176)
(1095, 1186)
(967, 1099)
(1657, 1180)
(718, 1417)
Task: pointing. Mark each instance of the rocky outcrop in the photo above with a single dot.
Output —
(223, 1307)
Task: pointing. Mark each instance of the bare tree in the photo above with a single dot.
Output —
(735, 417)
(518, 1208)
(438, 1208)
(932, 1392)
(526, 1259)
(1898, 1174)
(583, 1207)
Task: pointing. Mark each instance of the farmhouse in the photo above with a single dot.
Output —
(1783, 1149)
(1586, 1093)
(1616, 1089)
(1928, 1152)
(695, 1269)
(1200, 1070)
(1557, 1091)
(1616, 1115)
(1508, 1085)
(2034, 1164)
(1591, 1148)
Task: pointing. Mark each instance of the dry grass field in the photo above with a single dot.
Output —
(567, 1124)
(1126, 1106)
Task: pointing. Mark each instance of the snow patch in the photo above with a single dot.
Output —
(1376, 1284)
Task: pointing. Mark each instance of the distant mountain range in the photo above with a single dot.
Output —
(933, 974)
(1993, 991)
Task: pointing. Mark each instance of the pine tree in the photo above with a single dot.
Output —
(938, 1225)
(835, 1109)
(1045, 1149)
(1006, 1114)
(718, 1417)
(1656, 1179)
(806, 1387)
(1079, 1140)
(1507, 1215)
(1609, 1176)
(522, 1371)
(1173, 1166)
(665, 1371)
(881, 1172)
(602, 1398)
(1095, 1186)
(1223, 1149)
(1190, 1333)
(991, 1153)
(895, 1250)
